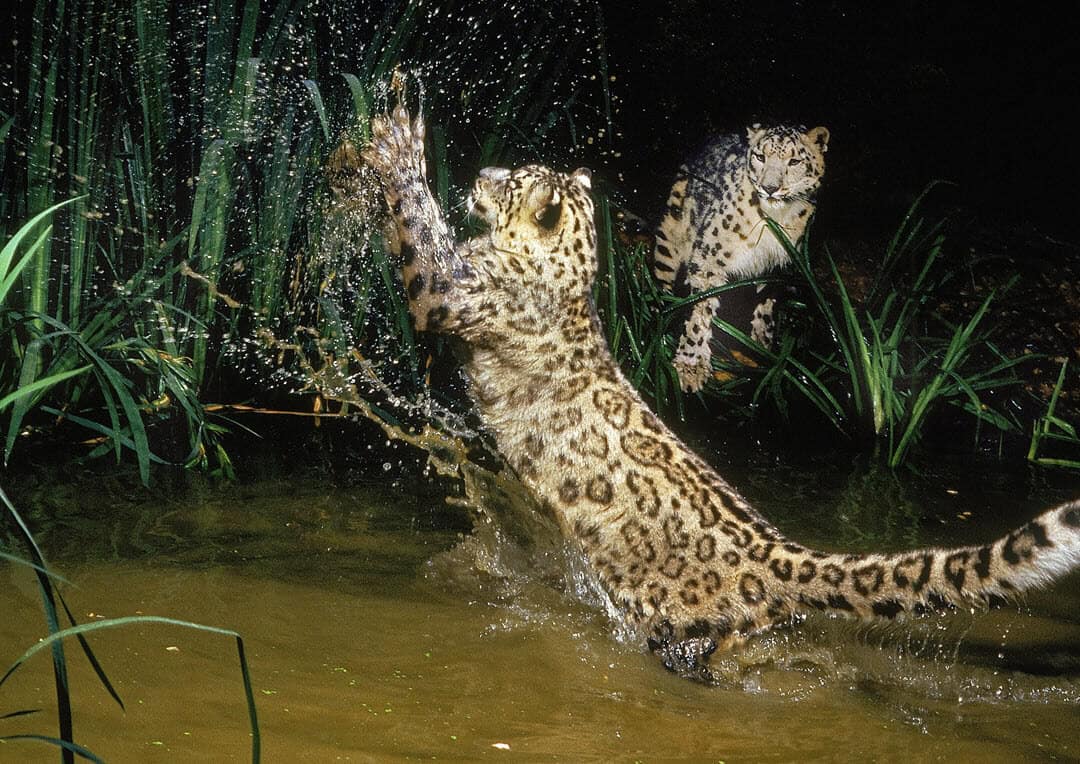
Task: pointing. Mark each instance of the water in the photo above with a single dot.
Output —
(380, 627)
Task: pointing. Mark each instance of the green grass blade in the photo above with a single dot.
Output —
(113, 387)
(89, 653)
(212, 162)
(40, 385)
(52, 620)
(320, 107)
(9, 269)
(361, 109)
(115, 434)
(955, 353)
(1043, 428)
(856, 354)
(28, 257)
(1049, 462)
(119, 387)
(112, 623)
(1067, 429)
(13, 558)
(28, 374)
(66, 745)
(23, 712)
(814, 388)
(44, 575)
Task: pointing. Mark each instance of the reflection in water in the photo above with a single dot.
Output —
(377, 630)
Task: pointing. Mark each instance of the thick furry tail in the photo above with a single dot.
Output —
(673, 239)
(887, 586)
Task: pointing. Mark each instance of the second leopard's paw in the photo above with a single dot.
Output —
(693, 371)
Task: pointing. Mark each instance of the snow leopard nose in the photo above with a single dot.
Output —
(494, 174)
(770, 188)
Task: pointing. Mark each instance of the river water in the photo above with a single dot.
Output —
(381, 625)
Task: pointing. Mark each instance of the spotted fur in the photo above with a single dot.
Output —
(714, 229)
(685, 558)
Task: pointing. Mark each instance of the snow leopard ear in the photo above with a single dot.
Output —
(819, 137)
(755, 132)
(583, 175)
(547, 203)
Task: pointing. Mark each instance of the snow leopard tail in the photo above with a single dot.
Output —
(876, 586)
(671, 253)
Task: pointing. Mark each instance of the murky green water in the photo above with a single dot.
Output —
(376, 632)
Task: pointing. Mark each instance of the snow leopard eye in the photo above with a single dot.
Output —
(757, 156)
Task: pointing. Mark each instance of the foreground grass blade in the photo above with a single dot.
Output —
(23, 712)
(65, 745)
(361, 109)
(111, 623)
(94, 663)
(48, 604)
(41, 384)
(14, 558)
(320, 108)
(42, 571)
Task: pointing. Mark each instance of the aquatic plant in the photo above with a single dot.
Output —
(1050, 429)
(113, 361)
(12, 263)
(19, 534)
(898, 356)
(635, 312)
(193, 137)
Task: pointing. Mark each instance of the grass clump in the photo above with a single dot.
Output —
(194, 141)
(893, 358)
(876, 369)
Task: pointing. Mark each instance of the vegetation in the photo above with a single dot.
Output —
(186, 144)
(183, 222)
(1051, 430)
(169, 235)
(637, 314)
(876, 369)
(895, 357)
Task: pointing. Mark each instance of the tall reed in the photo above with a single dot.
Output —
(195, 136)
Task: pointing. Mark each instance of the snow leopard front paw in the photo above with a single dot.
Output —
(396, 149)
(693, 368)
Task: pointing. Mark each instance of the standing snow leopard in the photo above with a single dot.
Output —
(714, 229)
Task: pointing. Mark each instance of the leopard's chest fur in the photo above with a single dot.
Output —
(714, 228)
(652, 518)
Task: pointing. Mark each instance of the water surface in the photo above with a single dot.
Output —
(378, 630)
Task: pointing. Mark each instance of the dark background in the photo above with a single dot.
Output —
(981, 94)
(977, 93)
